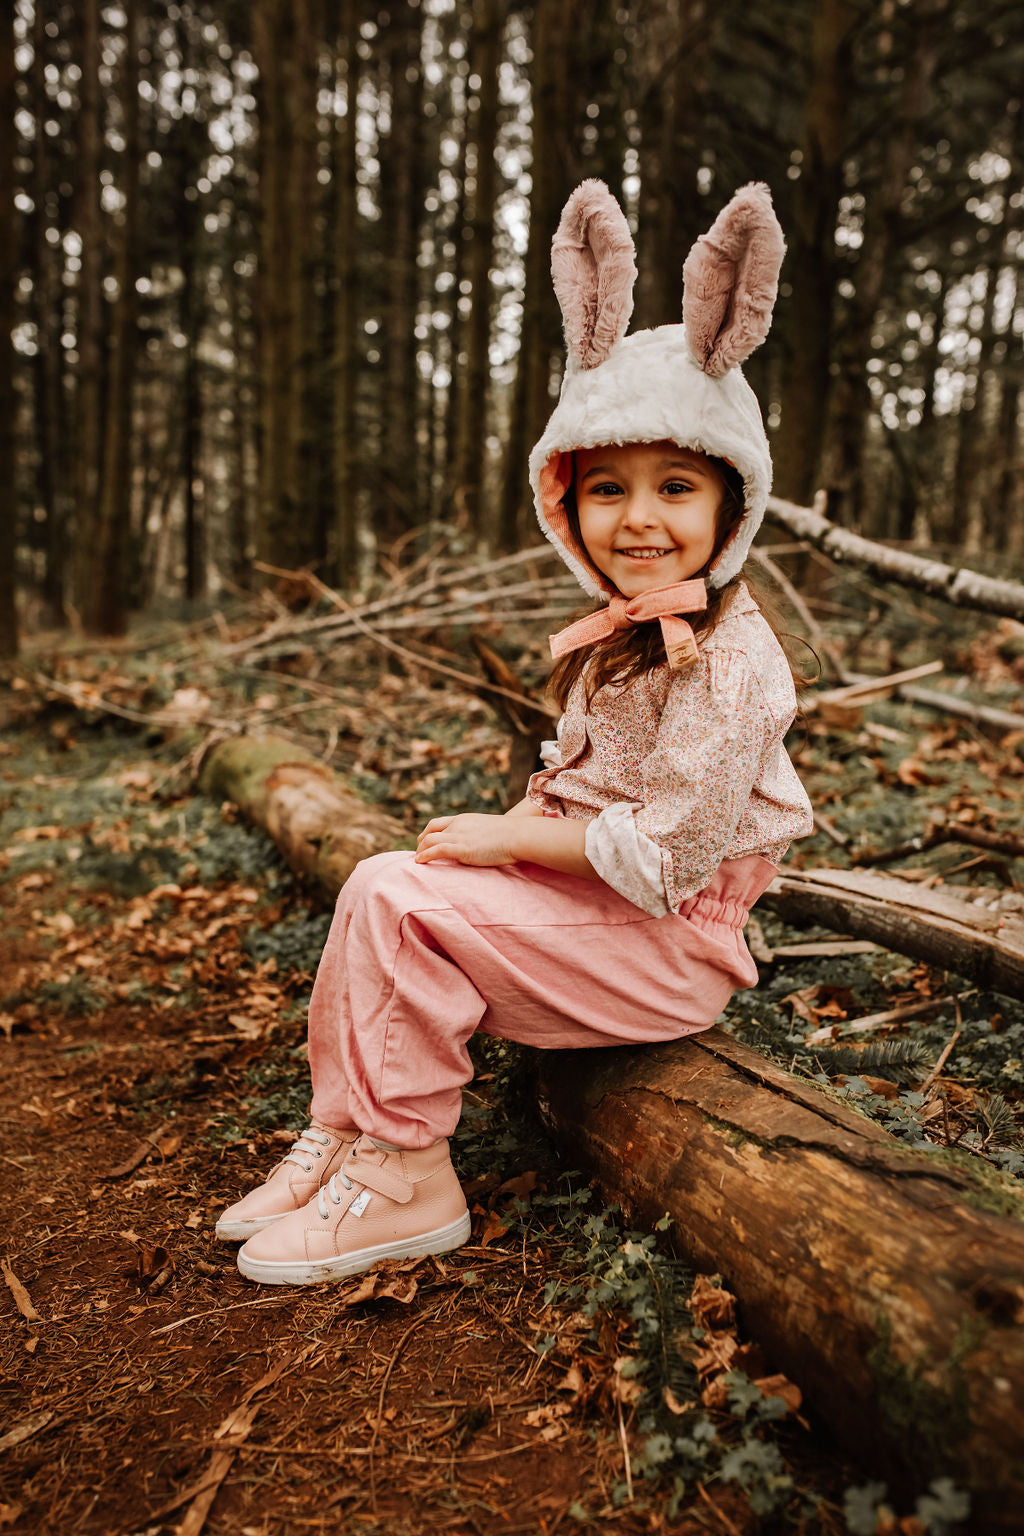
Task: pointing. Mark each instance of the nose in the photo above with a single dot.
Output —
(639, 510)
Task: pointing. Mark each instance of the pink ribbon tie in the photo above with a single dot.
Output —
(665, 604)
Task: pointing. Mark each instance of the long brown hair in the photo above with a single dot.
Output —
(632, 652)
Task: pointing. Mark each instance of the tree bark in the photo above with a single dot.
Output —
(960, 586)
(478, 235)
(810, 269)
(888, 1283)
(8, 270)
(46, 306)
(675, 64)
(930, 925)
(105, 603)
(89, 375)
(539, 338)
(850, 400)
(346, 362)
(321, 828)
(284, 53)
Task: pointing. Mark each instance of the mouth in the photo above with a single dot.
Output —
(643, 554)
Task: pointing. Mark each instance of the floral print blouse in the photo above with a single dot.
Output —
(679, 770)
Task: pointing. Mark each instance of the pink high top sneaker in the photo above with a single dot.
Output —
(314, 1157)
(381, 1204)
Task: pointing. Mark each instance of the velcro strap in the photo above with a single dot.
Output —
(381, 1180)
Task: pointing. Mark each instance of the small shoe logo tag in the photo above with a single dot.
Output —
(360, 1203)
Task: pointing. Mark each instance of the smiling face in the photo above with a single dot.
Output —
(648, 512)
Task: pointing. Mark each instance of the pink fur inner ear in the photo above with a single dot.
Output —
(731, 279)
(593, 269)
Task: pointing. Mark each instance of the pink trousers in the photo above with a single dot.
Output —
(419, 956)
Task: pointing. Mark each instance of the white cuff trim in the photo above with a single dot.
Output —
(626, 859)
(550, 754)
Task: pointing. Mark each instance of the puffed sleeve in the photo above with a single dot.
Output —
(715, 735)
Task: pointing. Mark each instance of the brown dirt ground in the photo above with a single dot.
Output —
(154, 1390)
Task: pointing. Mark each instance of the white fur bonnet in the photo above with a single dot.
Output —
(678, 382)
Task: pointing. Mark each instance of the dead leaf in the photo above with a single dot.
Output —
(780, 1386)
(10, 1512)
(153, 1268)
(31, 1345)
(626, 1389)
(194, 1220)
(546, 1417)
(882, 1086)
(672, 1402)
(572, 1381)
(396, 1282)
(22, 1300)
(248, 1027)
(520, 1188)
(494, 1228)
(712, 1305)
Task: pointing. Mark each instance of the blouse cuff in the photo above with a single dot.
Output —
(626, 859)
(550, 754)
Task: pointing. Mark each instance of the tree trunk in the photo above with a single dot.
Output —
(478, 237)
(8, 274)
(401, 197)
(850, 400)
(346, 369)
(540, 335)
(89, 377)
(105, 604)
(888, 1283)
(810, 269)
(321, 828)
(675, 77)
(284, 52)
(190, 138)
(47, 363)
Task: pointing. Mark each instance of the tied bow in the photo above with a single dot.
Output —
(662, 603)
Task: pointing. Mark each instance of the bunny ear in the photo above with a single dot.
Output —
(730, 280)
(593, 271)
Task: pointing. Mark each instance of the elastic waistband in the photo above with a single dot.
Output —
(729, 896)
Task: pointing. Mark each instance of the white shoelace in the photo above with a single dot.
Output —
(299, 1146)
(331, 1188)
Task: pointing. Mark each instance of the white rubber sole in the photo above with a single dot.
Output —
(290, 1272)
(238, 1231)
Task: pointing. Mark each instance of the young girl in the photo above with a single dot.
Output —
(608, 906)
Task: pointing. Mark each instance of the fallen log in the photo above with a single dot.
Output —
(321, 829)
(888, 1283)
(930, 925)
(958, 585)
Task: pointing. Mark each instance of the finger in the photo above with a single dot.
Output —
(428, 854)
(437, 824)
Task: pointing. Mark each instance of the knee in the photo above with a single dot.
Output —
(369, 874)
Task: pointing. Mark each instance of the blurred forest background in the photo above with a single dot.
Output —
(276, 273)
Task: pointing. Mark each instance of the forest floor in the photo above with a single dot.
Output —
(154, 967)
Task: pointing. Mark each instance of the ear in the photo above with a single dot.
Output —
(593, 271)
(730, 280)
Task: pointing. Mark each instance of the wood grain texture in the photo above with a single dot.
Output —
(888, 1283)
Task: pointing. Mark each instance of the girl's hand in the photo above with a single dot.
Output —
(468, 839)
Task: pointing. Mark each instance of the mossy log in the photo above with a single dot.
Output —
(887, 1282)
(321, 828)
